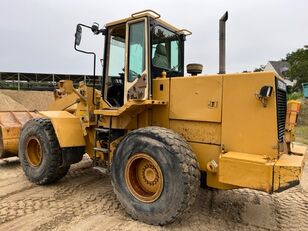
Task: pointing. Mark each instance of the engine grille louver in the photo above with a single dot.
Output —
(281, 100)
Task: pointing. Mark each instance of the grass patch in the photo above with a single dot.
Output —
(301, 134)
(295, 95)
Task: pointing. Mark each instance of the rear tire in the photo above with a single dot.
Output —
(155, 155)
(39, 152)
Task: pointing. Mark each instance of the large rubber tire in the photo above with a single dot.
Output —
(180, 170)
(48, 169)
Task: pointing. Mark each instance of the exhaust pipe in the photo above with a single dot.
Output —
(222, 43)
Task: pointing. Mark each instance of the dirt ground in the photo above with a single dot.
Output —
(84, 200)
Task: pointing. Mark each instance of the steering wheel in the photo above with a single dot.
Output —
(133, 73)
(174, 68)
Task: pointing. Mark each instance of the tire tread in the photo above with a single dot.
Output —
(189, 165)
(54, 172)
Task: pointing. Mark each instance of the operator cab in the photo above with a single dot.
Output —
(138, 49)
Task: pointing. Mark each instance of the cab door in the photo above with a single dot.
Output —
(136, 68)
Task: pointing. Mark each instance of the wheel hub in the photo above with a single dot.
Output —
(34, 152)
(150, 174)
(144, 177)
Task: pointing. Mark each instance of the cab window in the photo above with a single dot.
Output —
(116, 56)
(114, 80)
(136, 50)
(166, 48)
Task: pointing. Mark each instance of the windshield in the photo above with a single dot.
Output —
(166, 47)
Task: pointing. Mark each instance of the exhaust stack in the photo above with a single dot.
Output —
(222, 43)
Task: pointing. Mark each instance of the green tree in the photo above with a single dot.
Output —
(298, 71)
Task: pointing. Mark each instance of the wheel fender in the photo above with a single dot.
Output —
(67, 127)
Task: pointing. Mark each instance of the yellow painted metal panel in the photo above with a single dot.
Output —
(205, 153)
(56, 114)
(247, 157)
(246, 170)
(90, 140)
(196, 131)
(64, 103)
(288, 171)
(196, 98)
(212, 181)
(161, 89)
(131, 107)
(67, 127)
(144, 119)
(247, 126)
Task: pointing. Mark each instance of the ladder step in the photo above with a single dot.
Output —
(103, 150)
(102, 170)
(102, 130)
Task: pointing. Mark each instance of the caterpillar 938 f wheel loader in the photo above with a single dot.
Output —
(157, 131)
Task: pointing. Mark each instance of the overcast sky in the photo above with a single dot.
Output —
(38, 35)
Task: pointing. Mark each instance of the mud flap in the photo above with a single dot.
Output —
(72, 155)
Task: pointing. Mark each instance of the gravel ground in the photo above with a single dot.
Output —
(84, 200)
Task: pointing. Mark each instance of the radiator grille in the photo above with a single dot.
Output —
(281, 100)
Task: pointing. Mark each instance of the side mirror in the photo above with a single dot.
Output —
(78, 35)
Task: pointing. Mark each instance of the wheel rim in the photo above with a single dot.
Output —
(144, 177)
(34, 152)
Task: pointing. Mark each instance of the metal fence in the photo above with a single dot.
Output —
(39, 81)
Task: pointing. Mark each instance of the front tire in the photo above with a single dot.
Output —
(155, 175)
(40, 153)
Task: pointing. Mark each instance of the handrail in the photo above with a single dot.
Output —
(188, 32)
(146, 11)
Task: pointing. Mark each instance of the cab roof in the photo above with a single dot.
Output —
(151, 14)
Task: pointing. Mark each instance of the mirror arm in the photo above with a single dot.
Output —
(103, 31)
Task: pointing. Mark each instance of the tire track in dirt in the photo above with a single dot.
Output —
(10, 168)
(62, 202)
(291, 209)
(84, 200)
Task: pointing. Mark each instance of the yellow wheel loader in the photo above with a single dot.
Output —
(157, 132)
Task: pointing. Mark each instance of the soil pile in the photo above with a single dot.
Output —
(8, 104)
(32, 100)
